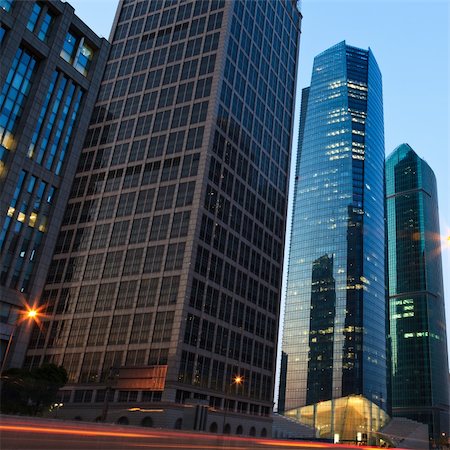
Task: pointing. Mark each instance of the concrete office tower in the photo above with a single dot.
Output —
(416, 293)
(165, 285)
(334, 327)
(50, 73)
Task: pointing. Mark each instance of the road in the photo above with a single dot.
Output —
(23, 433)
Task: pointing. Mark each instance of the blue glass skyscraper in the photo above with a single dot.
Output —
(416, 294)
(335, 319)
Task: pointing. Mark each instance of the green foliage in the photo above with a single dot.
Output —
(30, 391)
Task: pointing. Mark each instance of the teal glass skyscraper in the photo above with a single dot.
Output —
(335, 317)
(416, 295)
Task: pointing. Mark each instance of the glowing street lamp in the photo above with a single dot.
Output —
(25, 315)
(32, 313)
(238, 380)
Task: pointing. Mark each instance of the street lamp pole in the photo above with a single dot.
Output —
(237, 380)
(29, 314)
(5, 357)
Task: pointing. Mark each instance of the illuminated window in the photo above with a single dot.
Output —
(69, 48)
(6, 4)
(76, 52)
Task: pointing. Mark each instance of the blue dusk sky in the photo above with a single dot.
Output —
(411, 42)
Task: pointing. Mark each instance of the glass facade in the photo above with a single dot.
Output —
(41, 134)
(335, 318)
(12, 97)
(416, 295)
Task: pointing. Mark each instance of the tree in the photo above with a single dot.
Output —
(30, 391)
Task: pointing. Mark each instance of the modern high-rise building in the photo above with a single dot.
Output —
(335, 319)
(416, 293)
(165, 285)
(50, 73)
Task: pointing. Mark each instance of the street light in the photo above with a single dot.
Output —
(237, 380)
(29, 313)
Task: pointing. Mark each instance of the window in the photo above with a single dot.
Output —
(161, 121)
(131, 106)
(156, 146)
(154, 79)
(138, 149)
(152, 21)
(185, 194)
(148, 101)
(145, 201)
(175, 52)
(105, 297)
(137, 83)
(147, 292)
(192, 330)
(189, 69)
(140, 332)
(119, 330)
(180, 224)
(193, 47)
(185, 92)
(175, 254)
(170, 169)
(132, 176)
(133, 261)
(199, 111)
(98, 333)
(153, 259)
(171, 74)
(215, 21)
(14, 93)
(86, 296)
(2, 33)
(93, 267)
(76, 52)
(198, 25)
(6, 5)
(107, 207)
(126, 294)
(163, 326)
(180, 116)
(169, 290)
(165, 197)
(143, 125)
(147, 42)
(175, 142)
(166, 97)
(207, 64)
(211, 42)
(151, 172)
(77, 333)
(203, 88)
(126, 203)
(36, 11)
(139, 230)
(113, 264)
(195, 138)
(160, 227)
(120, 233)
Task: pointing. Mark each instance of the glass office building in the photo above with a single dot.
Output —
(46, 99)
(335, 319)
(416, 293)
(167, 271)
